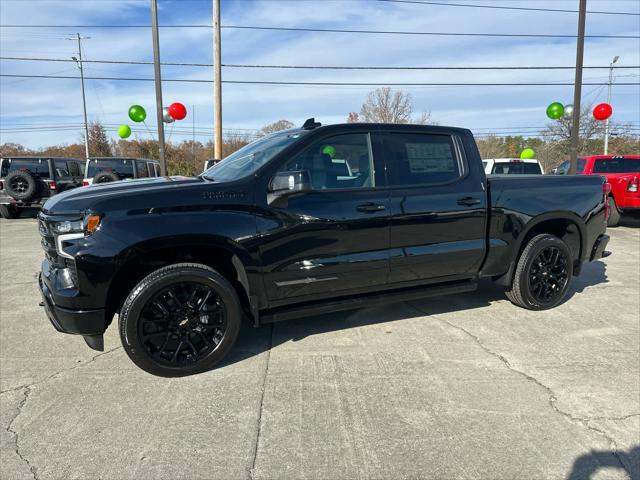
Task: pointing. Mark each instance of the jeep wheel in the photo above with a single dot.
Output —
(543, 274)
(21, 185)
(180, 320)
(614, 213)
(104, 177)
(9, 211)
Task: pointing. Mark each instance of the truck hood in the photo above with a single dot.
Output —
(114, 194)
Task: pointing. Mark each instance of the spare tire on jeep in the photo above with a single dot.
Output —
(104, 177)
(21, 185)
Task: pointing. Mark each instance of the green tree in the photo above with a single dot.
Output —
(99, 145)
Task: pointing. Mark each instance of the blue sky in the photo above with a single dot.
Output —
(42, 103)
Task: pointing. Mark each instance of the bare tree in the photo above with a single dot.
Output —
(387, 106)
(353, 117)
(276, 127)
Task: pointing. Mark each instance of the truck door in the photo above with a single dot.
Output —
(332, 239)
(438, 208)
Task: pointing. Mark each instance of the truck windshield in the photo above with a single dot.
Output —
(616, 165)
(249, 158)
(516, 168)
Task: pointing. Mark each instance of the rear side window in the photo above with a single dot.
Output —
(150, 169)
(616, 165)
(141, 169)
(62, 169)
(157, 169)
(39, 167)
(123, 168)
(516, 168)
(418, 159)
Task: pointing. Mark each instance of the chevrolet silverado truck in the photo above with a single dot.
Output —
(275, 231)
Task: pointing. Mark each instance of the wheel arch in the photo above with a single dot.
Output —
(567, 226)
(226, 257)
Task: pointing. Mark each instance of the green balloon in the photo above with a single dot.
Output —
(527, 154)
(555, 110)
(124, 131)
(137, 113)
(329, 150)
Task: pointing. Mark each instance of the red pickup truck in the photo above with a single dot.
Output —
(622, 173)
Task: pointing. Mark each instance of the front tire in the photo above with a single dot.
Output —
(180, 320)
(543, 274)
(614, 213)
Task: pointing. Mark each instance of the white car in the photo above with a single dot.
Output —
(512, 166)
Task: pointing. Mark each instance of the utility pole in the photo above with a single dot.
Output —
(78, 61)
(217, 83)
(606, 125)
(577, 89)
(193, 133)
(158, 82)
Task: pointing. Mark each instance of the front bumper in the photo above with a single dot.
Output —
(598, 250)
(88, 323)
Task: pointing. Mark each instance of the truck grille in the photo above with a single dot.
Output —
(48, 243)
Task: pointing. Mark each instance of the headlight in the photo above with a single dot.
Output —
(69, 227)
(87, 226)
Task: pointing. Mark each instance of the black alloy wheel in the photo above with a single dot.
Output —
(182, 323)
(543, 273)
(180, 319)
(548, 274)
(19, 185)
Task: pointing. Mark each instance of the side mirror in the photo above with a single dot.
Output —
(286, 183)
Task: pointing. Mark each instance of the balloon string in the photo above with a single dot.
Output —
(146, 126)
(171, 131)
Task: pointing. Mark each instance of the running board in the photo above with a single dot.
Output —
(363, 301)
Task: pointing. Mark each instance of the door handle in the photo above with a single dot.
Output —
(468, 201)
(370, 207)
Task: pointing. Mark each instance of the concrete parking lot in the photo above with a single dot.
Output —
(464, 386)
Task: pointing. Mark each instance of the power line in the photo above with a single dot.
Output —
(269, 82)
(335, 30)
(450, 34)
(498, 7)
(317, 67)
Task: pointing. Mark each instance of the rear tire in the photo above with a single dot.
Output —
(9, 211)
(614, 213)
(105, 177)
(180, 320)
(543, 274)
(21, 185)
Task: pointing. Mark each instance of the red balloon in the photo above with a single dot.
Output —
(602, 111)
(177, 110)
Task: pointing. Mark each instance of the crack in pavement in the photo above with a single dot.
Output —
(16, 449)
(27, 389)
(259, 422)
(552, 397)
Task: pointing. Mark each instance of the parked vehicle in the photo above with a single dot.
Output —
(274, 232)
(30, 181)
(512, 166)
(113, 169)
(622, 172)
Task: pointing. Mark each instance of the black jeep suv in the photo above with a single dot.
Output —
(30, 181)
(281, 229)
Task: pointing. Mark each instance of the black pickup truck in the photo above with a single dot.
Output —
(307, 221)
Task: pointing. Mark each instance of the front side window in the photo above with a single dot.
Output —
(341, 161)
(419, 159)
(616, 165)
(39, 167)
(123, 168)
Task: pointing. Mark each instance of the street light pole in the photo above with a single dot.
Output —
(606, 125)
(217, 83)
(78, 61)
(158, 82)
(577, 89)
